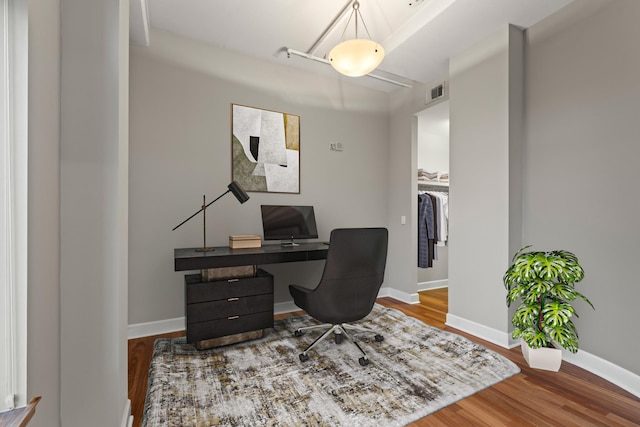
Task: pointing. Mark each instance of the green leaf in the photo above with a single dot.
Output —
(564, 336)
(585, 299)
(524, 266)
(533, 337)
(519, 252)
(572, 271)
(563, 291)
(517, 292)
(556, 314)
(539, 287)
(549, 267)
(526, 315)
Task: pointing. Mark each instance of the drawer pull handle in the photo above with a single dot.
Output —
(233, 299)
(233, 317)
(233, 280)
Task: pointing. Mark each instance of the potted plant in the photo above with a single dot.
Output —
(544, 282)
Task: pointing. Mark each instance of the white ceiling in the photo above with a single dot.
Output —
(418, 36)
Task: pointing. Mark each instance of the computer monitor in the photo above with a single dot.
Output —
(288, 223)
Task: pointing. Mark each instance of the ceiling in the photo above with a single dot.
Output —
(419, 36)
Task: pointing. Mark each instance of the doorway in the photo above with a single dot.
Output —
(433, 180)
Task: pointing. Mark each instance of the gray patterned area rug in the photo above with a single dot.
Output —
(416, 370)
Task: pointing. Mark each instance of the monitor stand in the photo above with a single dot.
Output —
(288, 243)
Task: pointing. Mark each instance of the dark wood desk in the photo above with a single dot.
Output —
(234, 308)
(224, 256)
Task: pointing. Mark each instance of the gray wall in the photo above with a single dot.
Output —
(484, 111)
(403, 194)
(581, 165)
(181, 149)
(77, 212)
(43, 357)
(93, 199)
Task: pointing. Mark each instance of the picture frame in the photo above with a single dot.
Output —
(265, 150)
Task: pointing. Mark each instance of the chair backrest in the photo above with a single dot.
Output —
(353, 273)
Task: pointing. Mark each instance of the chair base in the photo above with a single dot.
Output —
(339, 330)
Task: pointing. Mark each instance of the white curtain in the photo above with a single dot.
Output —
(13, 203)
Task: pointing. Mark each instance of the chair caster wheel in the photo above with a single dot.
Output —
(303, 357)
(297, 333)
(363, 361)
(379, 338)
(338, 338)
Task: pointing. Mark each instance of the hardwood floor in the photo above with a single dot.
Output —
(571, 397)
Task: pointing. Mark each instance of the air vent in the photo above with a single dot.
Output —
(435, 93)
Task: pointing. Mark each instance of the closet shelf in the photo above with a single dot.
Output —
(433, 184)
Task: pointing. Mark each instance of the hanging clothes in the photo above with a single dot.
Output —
(436, 222)
(426, 231)
(433, 225)
(442, 211)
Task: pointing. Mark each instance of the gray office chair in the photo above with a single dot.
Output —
(350, 282)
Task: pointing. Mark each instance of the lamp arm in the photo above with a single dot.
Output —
(201, 209)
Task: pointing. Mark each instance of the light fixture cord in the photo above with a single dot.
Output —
(356, 12)
(361, 19)
(356, 9)
(347, 26)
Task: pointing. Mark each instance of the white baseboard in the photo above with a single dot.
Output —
(127, 418)
(147, 329)
(284, 307)
(433, 284)
(594, 364)
(503, 339)
(399, 295)
(288, 306)
(605, 369)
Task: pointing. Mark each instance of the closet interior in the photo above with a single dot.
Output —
(433, 195)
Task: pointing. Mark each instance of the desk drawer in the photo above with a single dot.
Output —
(229, 326)
(220, 309)
(198, 291)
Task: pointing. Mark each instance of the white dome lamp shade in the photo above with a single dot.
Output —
(356, 57)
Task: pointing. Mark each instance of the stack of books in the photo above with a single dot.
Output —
(245, 241)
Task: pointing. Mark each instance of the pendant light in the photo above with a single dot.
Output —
(356, 57)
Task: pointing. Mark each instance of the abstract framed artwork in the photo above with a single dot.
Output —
(265, 147)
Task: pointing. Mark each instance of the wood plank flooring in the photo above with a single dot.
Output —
(571, 397)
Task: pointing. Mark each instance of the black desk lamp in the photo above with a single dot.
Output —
(237, 191)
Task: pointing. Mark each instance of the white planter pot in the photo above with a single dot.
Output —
(548, 359)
